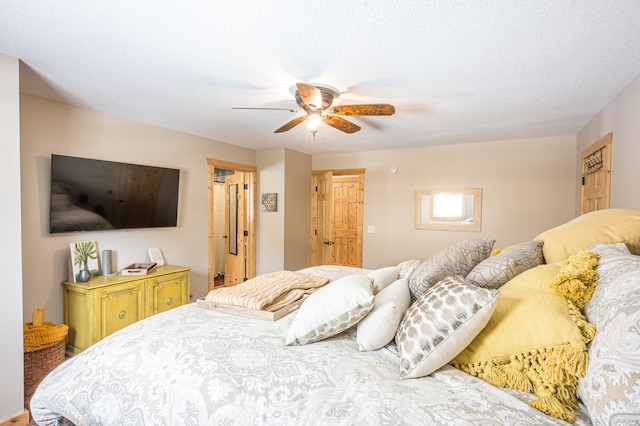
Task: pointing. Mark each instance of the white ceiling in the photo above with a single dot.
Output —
(456, 71)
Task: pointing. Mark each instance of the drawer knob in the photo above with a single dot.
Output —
(122, 314)
(169, 301)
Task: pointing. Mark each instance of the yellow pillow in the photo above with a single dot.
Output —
(600, 226)
(533, 343)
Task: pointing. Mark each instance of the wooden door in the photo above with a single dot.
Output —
(347, 221)
(595, 193)
(337, 212)
(235, 230)
(322, 243)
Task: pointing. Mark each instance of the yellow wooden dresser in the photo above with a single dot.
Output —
(105, 304)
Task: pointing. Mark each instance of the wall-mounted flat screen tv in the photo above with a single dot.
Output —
(94, 195)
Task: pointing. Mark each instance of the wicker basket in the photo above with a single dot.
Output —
(41, 361)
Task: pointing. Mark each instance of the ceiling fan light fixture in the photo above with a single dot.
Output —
(313, 123)
(317, 103)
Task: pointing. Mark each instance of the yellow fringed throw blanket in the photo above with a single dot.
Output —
(268, 292)
(577, 279)
(536, 339)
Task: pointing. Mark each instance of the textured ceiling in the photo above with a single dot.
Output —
(456, 71)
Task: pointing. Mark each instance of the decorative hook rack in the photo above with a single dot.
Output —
(593, 163)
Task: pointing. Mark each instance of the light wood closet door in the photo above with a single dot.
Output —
(337, 208)
(596, 176)
(347, 221)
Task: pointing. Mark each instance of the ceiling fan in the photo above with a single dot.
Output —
(317, 102)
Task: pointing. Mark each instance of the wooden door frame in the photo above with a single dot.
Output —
(338, 172)
(251, 220)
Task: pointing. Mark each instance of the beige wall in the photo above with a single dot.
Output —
(271, 167)
(283, 235)
(297, 210)
(11, 363)
(528, 186)
(621, 118)
(49, 127)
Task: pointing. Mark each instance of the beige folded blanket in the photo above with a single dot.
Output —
(268, 292)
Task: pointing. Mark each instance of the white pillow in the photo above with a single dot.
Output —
(383, 277)
(611, 388)
(379, 327)
(332, 309)
(441, 323)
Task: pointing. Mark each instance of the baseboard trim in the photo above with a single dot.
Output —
(19, 420)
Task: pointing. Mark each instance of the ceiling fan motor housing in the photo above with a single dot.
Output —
(327, 94)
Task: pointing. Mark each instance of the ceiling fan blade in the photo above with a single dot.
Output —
(341, 124)
(310, 95)
(291, 124)
(364, 109)
(275, 109)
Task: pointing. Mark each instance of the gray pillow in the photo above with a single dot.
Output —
(458, 259)
(495, 271)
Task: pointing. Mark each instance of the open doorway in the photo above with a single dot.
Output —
(232, 224)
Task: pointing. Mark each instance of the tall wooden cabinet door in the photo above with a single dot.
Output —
(167, 292)
(120, 306)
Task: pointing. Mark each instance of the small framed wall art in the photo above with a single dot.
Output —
(84, 261)
(269, 202)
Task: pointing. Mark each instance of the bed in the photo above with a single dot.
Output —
(192, 365)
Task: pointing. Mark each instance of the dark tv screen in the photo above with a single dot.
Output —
(95, 195)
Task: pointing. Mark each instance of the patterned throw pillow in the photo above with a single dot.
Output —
(458, 259)
(441, 323)
(495, 271)
(331, 310)
(611, 388)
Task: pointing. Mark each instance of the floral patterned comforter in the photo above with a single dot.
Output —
(193, 366)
